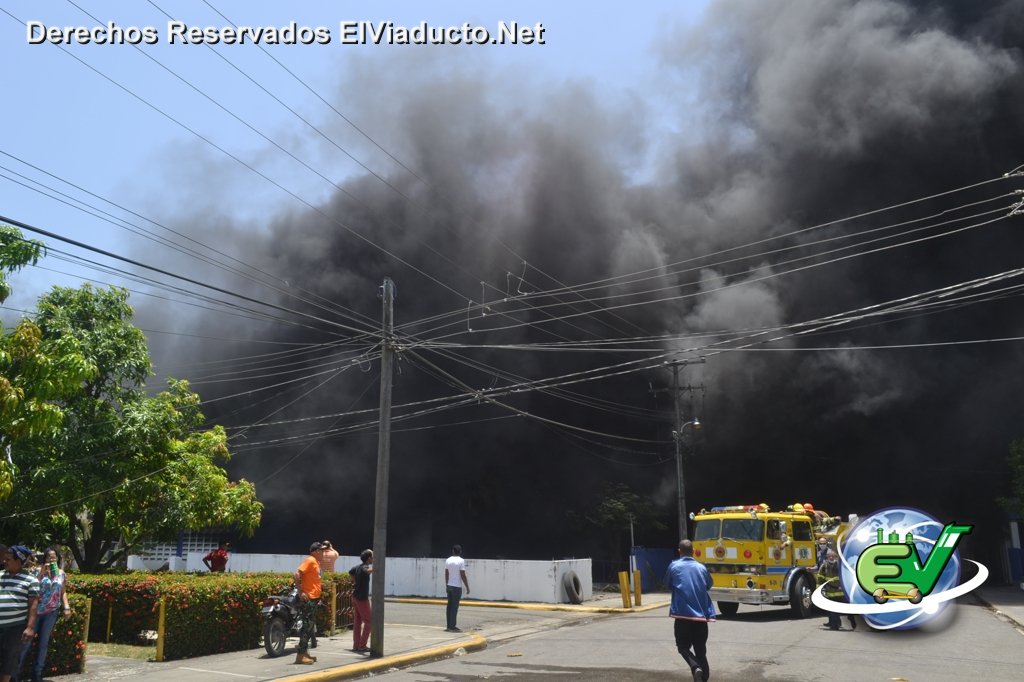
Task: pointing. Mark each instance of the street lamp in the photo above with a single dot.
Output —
(680, 492)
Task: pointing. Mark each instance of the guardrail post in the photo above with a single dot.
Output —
(624, 588)
(85, 634)
(334, 606)
(636, 587)
(110, 620)
(160, 634)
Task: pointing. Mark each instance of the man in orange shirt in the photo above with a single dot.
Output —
(307, 579)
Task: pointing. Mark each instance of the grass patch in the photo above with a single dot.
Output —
(139, 653)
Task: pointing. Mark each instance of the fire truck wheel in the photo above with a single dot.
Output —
(728, 609)
(573, 588)
(800, 596)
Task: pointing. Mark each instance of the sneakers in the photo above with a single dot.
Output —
(452, 630)
(302, 658)
(698, 675)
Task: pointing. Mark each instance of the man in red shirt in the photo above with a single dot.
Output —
(307, 579)
(217, 560)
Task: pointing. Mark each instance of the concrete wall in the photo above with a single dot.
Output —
(489, 579)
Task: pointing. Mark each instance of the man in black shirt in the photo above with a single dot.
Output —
(361, 601)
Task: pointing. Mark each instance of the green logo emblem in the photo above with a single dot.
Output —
(893, 569)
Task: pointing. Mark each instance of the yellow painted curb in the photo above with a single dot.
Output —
(474, 643)
(533, 607)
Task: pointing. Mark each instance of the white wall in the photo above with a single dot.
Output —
(489, 579)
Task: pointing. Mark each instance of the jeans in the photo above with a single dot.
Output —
(693, 634)
(454, 596)
(44, 626)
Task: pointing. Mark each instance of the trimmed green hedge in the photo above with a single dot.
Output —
(206, 613)
(66, 653)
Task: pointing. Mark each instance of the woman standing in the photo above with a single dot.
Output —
(52, 596)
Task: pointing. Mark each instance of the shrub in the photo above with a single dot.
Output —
(206, 613)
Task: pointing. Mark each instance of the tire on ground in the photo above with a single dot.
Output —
(800, 595)
(573, 587)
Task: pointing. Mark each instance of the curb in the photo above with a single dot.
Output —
(533, 607)
(474, 643)
(996, 610)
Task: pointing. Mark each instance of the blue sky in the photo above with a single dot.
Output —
(70, 120)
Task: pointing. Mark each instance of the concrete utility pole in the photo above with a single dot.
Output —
(677, 436)
(380, 515)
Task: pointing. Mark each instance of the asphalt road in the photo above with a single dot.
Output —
(758, 645)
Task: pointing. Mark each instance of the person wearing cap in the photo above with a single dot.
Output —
(328, 557)
(307, 580)
(217, 560)
(19, 596)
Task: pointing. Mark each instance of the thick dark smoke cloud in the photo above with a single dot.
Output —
(804, 113)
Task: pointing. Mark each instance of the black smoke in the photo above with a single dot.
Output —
(764, 119)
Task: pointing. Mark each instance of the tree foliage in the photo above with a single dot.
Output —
(121, 466)
(1014, 503)
(612, 516)
(621, 507)
(34, 371)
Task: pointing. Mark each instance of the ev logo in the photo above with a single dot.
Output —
(899, 569)
(896, 565)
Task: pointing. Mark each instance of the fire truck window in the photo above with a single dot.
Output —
(802, 531)
(742, 529)
(774, 530)
(706, 530)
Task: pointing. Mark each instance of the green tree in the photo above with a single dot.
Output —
(1015, 502)
(123, 466)
(34, 372)
(617, 510)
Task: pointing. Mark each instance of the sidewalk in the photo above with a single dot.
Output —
(412, 635)
(1007, 600)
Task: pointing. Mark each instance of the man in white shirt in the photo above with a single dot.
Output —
(454, 579)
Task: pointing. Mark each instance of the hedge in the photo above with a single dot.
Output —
(66, 653)
(206, 613)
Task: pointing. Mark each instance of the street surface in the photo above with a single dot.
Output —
(758, 645)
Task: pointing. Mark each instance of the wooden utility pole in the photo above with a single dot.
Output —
(677, 436)
(380, 515)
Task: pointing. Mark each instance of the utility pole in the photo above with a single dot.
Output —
(380, 511)
(677, 436)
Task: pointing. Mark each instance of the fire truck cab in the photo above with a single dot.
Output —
(757, 556)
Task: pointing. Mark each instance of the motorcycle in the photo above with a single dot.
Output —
(282, 619)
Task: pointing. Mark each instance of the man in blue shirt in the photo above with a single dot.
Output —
(691, 609)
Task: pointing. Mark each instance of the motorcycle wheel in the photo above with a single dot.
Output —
(274, 635)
